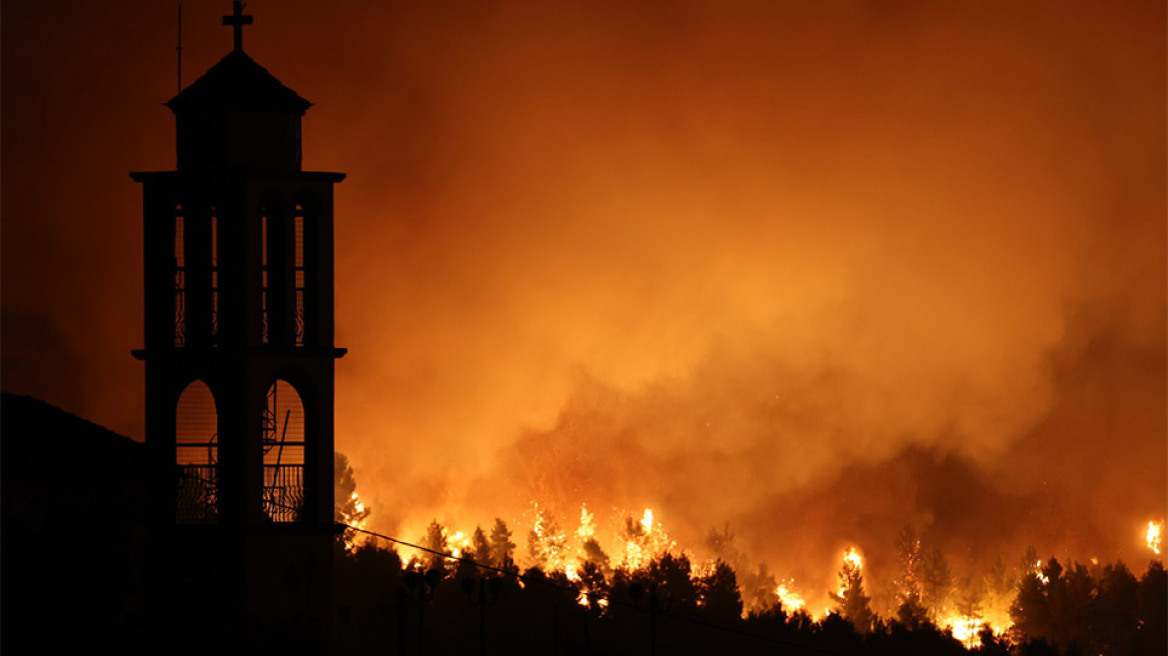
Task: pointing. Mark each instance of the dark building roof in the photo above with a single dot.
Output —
(75, 504)
(237, 82)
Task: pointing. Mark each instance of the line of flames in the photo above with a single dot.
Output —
(645, 540)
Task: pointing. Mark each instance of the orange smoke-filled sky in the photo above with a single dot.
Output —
(725, 259)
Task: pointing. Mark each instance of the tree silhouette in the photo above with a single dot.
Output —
(480, 546)
(1058, 610)
(502, 549)
(435, 540)
(546, 541)
(759, 588)
(1076, 609)
(969, 597)
(672, 576)
(1153, 609)
(367, 582)
(720, 596)
(594, 582)
(1000, 584)
(936, 582)
(595, 555)
(851, 603)
(1030, 612)
(910, 610)
(348, 508)
(1116, 612)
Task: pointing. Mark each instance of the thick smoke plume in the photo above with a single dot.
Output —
(810, 271)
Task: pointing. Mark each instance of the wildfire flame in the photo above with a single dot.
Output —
(644, 540)
(572, 553)
(458, 543)
(965, 629)
(555, 550)
(790, 599)
(356, 519)
(587, 528)
(1155, 529)
(853, 557)
(1039, 574)
(550, 545)
(853, 561)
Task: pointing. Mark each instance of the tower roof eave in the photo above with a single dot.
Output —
(160, 176)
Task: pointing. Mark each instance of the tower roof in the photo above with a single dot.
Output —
(238, 83)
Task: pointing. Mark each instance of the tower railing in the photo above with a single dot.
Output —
(197, 485)
(284, 492)
(197, 498)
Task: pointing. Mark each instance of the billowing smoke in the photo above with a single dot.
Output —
(712, 259)
(809, 271)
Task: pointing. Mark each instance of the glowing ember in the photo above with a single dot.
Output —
(1155, 529)
(1038, 573)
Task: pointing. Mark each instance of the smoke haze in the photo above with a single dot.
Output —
(809, 270)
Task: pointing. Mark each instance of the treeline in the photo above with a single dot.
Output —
(1093, 609)
(484, 603)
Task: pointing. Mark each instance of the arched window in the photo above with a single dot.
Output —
(283, 454)
(197, 455)
(180, 278)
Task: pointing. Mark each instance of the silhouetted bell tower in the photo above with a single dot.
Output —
(239, 353)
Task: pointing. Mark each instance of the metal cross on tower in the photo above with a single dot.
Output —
(237, 20)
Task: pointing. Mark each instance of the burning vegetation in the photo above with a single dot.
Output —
(610, 571)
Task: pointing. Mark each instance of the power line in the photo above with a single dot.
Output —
(591, 595)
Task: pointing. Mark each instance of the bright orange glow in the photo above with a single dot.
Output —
(1039, 574)
(587, 528)
(357, 519)
(549, 544)
(1153, 535)
(458, 543)
(791, 600)
(777, 266)
(852, 557)
(965, 629)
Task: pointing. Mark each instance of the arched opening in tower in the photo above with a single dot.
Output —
(197, 455)
(283, 443)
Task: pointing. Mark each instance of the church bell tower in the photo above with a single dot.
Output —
(239, 352)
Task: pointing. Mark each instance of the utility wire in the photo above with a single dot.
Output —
(591, 595)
